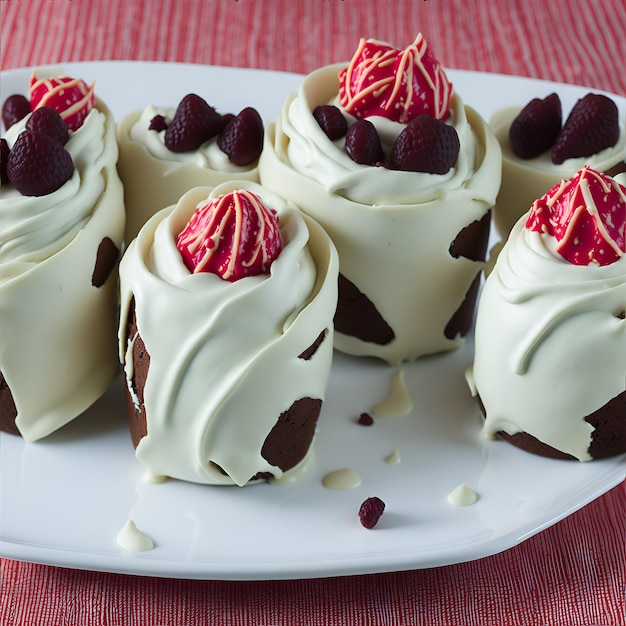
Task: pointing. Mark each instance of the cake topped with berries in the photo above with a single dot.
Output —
(539, 148)
(384, 154)
(245, 287)
(550, 344)
(165, 151)
(61, 229)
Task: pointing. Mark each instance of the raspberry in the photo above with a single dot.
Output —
(242, 139)
(37, 164)
(15, 108)
(158, 123)
(363, 143)
(425, 145)
(591, 126)
(370, 512)
(49, 122)
(331, 121)
(536, 127)
(365, 419)
(4, 155)
(194, 123)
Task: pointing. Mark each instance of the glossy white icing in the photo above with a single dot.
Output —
(462, 495)
(132, 539)
(550, 347)
(398, 402)
(343, 479)
(388, 226)
(224, 356)
(525, 180)
(155, 177)
(57, 341)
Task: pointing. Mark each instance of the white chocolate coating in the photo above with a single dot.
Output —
(525, 180)
(224, 356)
(57, 340)
(392, 229)
(155, 177)
(550, 347)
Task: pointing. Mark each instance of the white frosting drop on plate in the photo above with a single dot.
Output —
(394, 458)
(132, 539)
(462, 496)
(342, 479)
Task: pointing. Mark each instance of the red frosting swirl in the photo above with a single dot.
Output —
(233, 236)
(587, 217)
(396, 84)
(70, 97)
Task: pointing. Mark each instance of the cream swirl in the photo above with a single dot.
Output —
(34, 228)
(228, 364)
(208, 155)
(311, 153)
(550, 342)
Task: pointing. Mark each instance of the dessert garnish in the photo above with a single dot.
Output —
(194, 123)
(587, 217)
(365, 419)
(15, 108)
(536, 127)
(363, 143)
(70, 97)
(425, 145)
(233, 236)
(158, 123)
(242, 139)
(395, 84)
(331, 121)
(38, 164)
(4, 155)
(49, 122)
(591, 126)
(371, 511)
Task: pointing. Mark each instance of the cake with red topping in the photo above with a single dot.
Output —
(226, 335)
(550, 354)
(539, 149)
(383, 153)
(61, 229)
(166, 151)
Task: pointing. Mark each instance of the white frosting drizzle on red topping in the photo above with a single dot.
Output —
(234, 235)
(395, 84)
(70, 97)
(587, 217)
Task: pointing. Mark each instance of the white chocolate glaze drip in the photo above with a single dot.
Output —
(132, 539)
(343, 479)
(462, 496)
(398, 402)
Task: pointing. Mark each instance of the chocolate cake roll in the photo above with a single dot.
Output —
(410, 220)
(549, 367)
(246, 288)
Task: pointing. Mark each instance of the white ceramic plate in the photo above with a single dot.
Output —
(65, 499)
